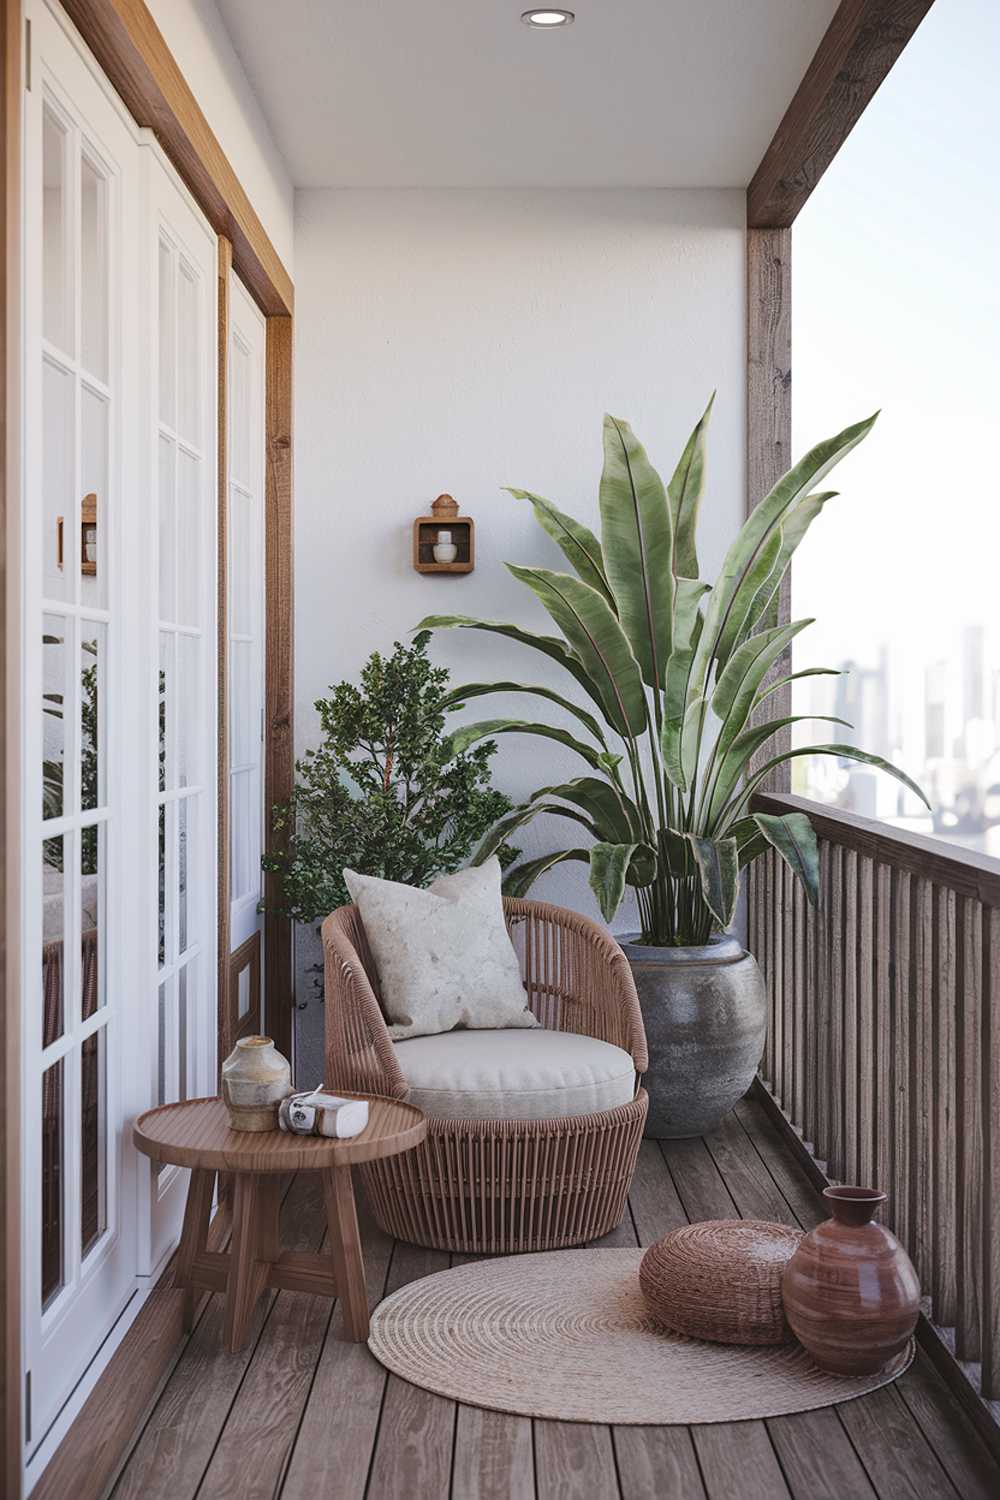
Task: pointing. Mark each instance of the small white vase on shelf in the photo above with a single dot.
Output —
(445, 550)
(255, 1079)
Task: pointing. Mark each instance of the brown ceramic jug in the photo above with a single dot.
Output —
(850, 1291)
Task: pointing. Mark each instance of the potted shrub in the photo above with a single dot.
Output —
(676, 672)
(386, 792)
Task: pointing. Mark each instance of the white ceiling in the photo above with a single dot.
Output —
(458, 93)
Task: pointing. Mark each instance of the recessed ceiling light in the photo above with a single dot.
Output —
(548, 20)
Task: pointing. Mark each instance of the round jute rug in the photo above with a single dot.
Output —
(567, 1335)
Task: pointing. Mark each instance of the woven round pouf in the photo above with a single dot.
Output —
(721, 1280)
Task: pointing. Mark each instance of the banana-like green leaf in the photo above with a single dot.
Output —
(735, 695)
(750, 842)
(460, 695)
(684, 493)
(484, 729)
(592, 630)
(676, 851)
(577, 542)
(758, 528)
(793, 836)
(608, 866)
(842, 752)
(638, 545)
(690, 739)
(687, 628)
(612, 812)
(732, 765)
(718, 865)
(793, 528)
(549, 645)
(505, 826)
(747, 668)
(757, 576)
(518, 882)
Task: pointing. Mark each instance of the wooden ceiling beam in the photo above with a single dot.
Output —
(861, 44)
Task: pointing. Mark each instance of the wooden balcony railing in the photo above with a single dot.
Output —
(884, 1045)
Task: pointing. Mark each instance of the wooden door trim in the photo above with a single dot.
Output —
(11, 1363)
(860, 46)
(224, 1043)
(130, 48)
(279, 657)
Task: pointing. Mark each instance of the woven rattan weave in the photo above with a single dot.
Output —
(721, 1280)
(497, 1186)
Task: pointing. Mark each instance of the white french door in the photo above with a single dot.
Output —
(182, 480)
(118, 697)
(245, 448)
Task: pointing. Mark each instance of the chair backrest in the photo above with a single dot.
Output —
(348, 919)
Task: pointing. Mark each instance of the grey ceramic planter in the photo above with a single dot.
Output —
(705, 1015)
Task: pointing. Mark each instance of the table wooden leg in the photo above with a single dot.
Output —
(269, 1212)
(194, 1237)
(248, 1274)
(345, 1246)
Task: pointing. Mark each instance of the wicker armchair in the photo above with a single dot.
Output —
(498, 1186)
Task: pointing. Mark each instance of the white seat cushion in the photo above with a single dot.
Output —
(514, 1075)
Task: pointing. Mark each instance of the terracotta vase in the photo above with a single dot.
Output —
(255, 1079)
(850, 1291)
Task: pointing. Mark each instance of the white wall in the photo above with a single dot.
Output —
(465, 340)
(195, 34)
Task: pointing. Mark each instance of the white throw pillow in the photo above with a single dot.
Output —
(443, 955)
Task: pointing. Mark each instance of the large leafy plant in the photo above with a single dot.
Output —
(386, 792)
(678, 673)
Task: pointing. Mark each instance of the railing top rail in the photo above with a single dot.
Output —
(962, 870)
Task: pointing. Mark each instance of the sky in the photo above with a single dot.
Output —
(896, 306)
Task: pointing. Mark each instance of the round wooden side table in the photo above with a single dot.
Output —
(196, 1134)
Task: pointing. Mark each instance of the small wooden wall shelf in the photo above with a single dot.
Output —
(444, 517)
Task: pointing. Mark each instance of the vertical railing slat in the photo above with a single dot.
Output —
(919, 1080)
(800, 990)
(835, 1005)
(849, 1156)
(777, 971)
(884, 1057)
(788, 993)
(944, 1164)
(821, 1138)
(969, 1123)
(990, 1336)
(899, 1188)
(811, 1019)
(867, 1073)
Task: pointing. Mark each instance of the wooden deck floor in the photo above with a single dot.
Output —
(303, 1415)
